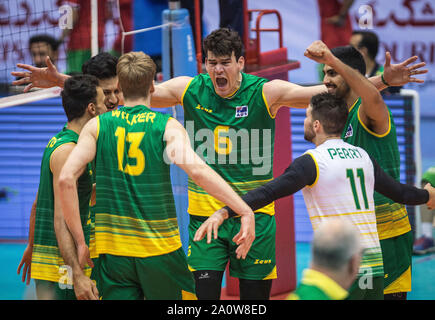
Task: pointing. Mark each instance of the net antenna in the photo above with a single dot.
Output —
(417, 153)
(94, 27)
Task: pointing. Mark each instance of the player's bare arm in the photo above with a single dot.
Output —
(373, 112)
(169, 93)
(179, 152)
(26, 260)
(280, 93)
(84, 288)
(83, 153)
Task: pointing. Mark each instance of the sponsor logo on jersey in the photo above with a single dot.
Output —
(241, 111)
(349, 132)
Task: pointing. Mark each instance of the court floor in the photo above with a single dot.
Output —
(11, 287)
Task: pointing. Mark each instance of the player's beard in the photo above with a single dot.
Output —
(343, 91)
(309, 133)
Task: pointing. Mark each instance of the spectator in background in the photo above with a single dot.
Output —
(41, 46)
(79, 43)
(336, 254)
(425, 243)
(367, 43)
(335, 24)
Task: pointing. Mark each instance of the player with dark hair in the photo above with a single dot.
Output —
(54, 266)
(102, 66)
(370, 126)
(337, 180)
(137, 236)
(226, 98)
(367, 43)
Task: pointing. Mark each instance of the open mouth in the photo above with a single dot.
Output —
(221, 82)
(331, 87)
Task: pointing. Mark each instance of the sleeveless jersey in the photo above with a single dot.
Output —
(392, 218)
(234, 135)
(344, 188)
(46, 258)
(135, 211)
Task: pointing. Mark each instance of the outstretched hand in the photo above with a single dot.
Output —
(36, 77)
(401, 74)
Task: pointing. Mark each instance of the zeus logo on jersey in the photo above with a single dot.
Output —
(241, 111)
(349, 132)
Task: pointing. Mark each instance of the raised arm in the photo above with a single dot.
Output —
(169, 93)
(180, 152)
(373, 111)
(74, 166)
(396, 75)
(34, 77)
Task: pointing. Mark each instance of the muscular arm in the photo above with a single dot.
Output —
(169, 93)
(64, 238)
(373, 111)
(83, 153)
(301, 172)
(280, 93)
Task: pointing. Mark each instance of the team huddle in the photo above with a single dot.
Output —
(105, 216)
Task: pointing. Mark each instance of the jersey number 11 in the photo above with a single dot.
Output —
(360, 174)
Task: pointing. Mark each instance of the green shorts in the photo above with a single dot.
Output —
(260, 263)
(397, 256)
(49, 290)
(367, 289)
(163, 277)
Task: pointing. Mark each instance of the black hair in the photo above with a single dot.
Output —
(370, 41)
(102, 66)
(52, 42)
(331, 111)
(222, 42)
(77, 93)
(350, 56)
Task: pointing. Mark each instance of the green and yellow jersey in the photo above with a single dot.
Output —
(234, 135)
(47, 262)
(392, 218)
(134, 212)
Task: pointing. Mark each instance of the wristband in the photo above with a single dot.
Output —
(383, 80)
